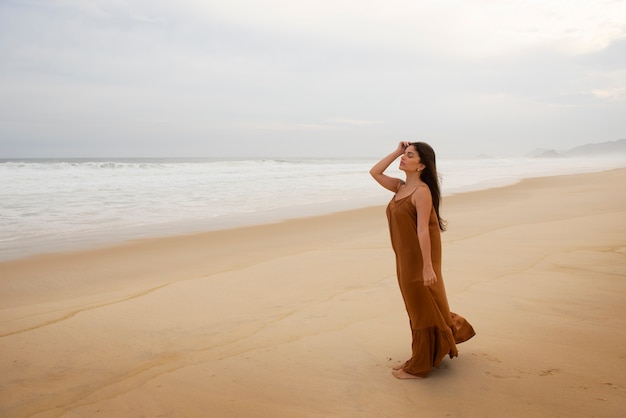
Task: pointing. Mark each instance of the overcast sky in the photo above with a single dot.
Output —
(308, 78)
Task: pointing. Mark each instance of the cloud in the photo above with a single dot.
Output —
(464, 75)
(328, 125)
(354, 122)
(612, 57)
(614, 94)
(456, 26)
(291, 127)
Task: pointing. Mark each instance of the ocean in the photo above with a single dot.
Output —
(65, 204)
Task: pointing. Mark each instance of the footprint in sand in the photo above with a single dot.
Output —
(489, 357)
(548, 372)
(497, 376)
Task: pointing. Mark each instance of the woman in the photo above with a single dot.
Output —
(415, 225)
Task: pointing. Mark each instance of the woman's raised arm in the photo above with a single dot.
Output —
(389, 183)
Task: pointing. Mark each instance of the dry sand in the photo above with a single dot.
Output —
(304, 319)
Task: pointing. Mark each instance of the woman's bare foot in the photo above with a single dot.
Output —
(401, 374)
(399, 366)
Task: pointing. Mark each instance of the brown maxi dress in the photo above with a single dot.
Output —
(436, 330)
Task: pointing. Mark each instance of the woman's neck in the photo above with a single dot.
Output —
(413, 179)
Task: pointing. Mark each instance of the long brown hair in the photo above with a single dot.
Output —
(430, 176)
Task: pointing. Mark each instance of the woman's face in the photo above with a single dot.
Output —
(410, 160)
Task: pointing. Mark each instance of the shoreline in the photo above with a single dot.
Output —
(303, 317)
(105, 239)
(87, 222)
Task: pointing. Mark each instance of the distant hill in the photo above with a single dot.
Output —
(602, 148)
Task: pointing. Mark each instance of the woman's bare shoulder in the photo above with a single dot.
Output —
(422, 195)
(423, 190)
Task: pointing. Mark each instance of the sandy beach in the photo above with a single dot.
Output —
(303, 318)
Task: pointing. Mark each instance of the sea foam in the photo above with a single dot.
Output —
(66, 204)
